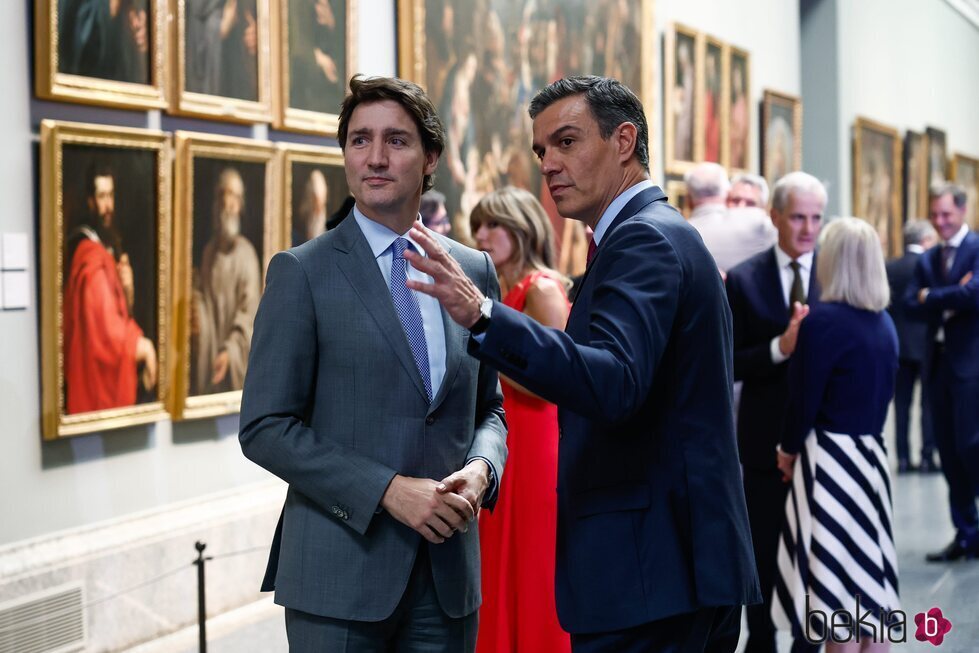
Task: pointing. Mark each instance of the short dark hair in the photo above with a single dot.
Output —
(959, 196)
(97, 169)
(364, 90)
(610, 101)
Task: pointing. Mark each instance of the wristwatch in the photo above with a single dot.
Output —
(485, 311)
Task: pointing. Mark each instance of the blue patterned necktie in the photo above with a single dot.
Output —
(408, 312)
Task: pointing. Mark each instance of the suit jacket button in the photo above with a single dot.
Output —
(336, 511)
(430, 420)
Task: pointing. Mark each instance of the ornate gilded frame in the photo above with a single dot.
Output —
(50, 84)
(770, 99)
(290, 153)
(729, 54)
(293, 118)
(216, 107)
(676, 191)
(55, 135)
(190, 146)
(672, 164)
(895, 226)
(960, 161)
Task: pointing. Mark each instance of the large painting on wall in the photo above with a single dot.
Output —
(225, 232)
(915, 191)
(100, 52)
(877, 181)
(739, 109)
(712, 109)
(680, 108)
(965, 172)
(314, 188)
(105, 273)
(317, 54)
(481, 63)
(222, 59)
(937, 156)
(781, 135)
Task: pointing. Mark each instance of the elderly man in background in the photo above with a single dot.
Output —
(912, 337)
(225, 301)
(730, 234)
(770, 294)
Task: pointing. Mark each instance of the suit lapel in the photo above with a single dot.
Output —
(962, 259)
(814, 289)
(770, 285)
(358, 265)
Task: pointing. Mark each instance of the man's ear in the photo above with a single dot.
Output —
(431, 161)
(626, 139)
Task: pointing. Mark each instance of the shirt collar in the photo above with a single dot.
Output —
(956, 240)
(379, 237)
(617, 205)
(805, 261)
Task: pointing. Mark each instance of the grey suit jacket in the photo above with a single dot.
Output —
(334, 405)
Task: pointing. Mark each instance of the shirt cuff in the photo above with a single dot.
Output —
(777, 355)
(491, 488)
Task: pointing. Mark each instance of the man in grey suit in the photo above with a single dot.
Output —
(360, 395)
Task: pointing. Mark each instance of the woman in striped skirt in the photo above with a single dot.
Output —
(837, 542)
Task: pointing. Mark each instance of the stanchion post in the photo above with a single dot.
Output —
(201, 604)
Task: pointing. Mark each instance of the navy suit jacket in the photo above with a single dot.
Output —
(754, 291)
(912, 332)
(945, 294)
(651, 512)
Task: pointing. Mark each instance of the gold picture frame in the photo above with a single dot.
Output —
(965, 173)
(110, 396)
(298, 165)
(915, 187)
(208, 101)
(681, 63)
(877, 181)
(202, 161)
(712, 106)
(288, 115)
(500, 151)
(739, 108)
(781, 135)
(64, 73)
(676, 192)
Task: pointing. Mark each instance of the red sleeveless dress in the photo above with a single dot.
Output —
(517, 539)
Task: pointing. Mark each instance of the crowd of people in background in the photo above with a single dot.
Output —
(717, 392)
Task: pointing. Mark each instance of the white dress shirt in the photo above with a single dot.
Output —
(786, 275)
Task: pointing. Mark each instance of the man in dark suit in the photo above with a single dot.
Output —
(919, 236)
(360, 395)
(945, 291)
(653, 551)
(769, 296)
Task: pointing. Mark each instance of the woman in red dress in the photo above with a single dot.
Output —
(518, 538)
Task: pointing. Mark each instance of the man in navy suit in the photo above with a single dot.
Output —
(945, 290)
(769, 296)
(912, 336)
(653, 550)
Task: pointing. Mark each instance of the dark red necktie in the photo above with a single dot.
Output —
(591, 253)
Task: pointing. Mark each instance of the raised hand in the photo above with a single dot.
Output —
(787, 341)
(456, 292)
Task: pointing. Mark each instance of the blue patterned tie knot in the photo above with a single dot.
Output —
(409, 312)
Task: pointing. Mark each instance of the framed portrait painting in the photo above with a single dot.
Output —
(915, 190)
(965, 173)
(739, 109)
(225, 233)
(877, 181)
(781, 135)
(98, 52)
(105, 277)
(711, 107)
(680, 118)
(316, 43)
(937, 156)
(314, 189)
(482, 62)
(222, 59)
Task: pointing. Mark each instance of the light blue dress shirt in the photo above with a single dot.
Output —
(380, 239)
(617, 205)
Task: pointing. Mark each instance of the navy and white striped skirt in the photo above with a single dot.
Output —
(836, 540)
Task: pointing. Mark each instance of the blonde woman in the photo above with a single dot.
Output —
(837, 540)
(518, 538)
